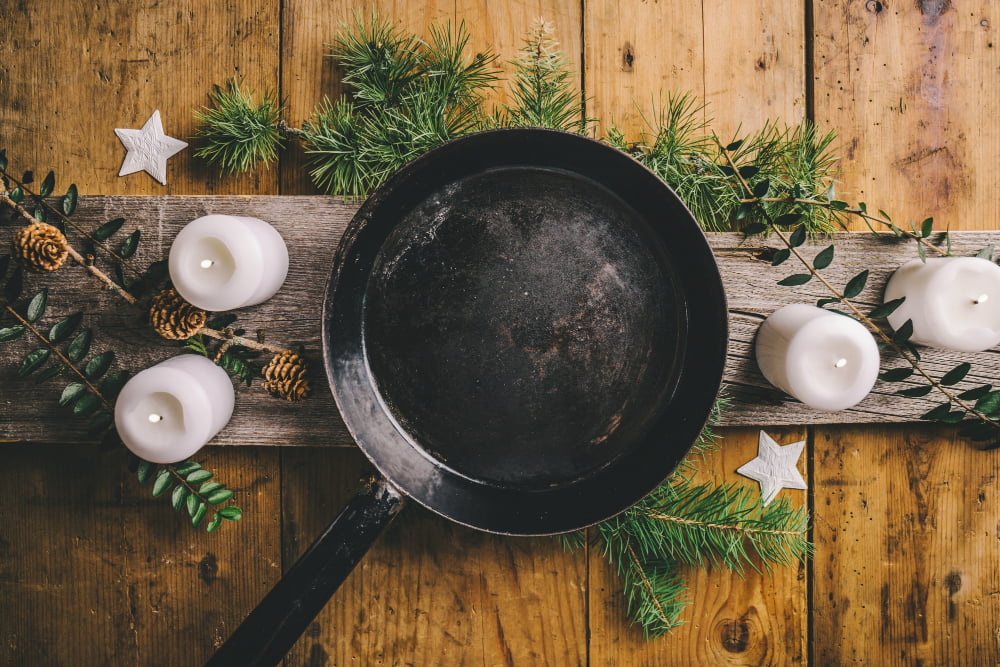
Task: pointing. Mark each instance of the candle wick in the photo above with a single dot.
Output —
(982, 299)
(840, 363)
(153, 418)
(206, 263)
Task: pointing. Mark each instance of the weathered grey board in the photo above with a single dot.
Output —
(312, 227)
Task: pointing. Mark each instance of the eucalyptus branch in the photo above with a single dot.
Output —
(74, 255)
(753, 199)
(62, 216)
(231, 338)
(62, 358)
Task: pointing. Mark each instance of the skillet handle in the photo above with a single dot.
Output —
(283, 615)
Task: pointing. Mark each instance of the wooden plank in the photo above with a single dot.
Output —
(906, 563)
(757, 619)
(74, 72)
(313, 225)
(896, 81)
(430, 591)
(905, 570)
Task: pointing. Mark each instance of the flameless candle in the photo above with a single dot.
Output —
(222, 262)
(954, 302)
(826, 360)
(167, 412)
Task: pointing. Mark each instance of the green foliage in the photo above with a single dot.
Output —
(189, 490)
(236, 360)
(543, 91)
(236, 133)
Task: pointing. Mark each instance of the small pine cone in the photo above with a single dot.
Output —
(285, 377)
(40, 246)
(174, 318)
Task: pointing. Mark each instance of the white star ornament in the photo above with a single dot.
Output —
(148, 149)
(774, 468)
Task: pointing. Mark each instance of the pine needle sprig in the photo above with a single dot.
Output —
(654, 589)
(335, 146)
(237, 133)
(543, 89)
(379, 61)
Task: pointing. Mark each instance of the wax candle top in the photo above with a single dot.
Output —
(954, 302)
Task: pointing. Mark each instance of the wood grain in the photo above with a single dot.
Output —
(312, 227)
(906, 535)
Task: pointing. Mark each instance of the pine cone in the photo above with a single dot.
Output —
(174, 318)
(40, 246)
(285, 377)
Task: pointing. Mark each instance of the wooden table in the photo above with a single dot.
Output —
(94, 571)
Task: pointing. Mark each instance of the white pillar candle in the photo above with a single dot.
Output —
(826, 360)
(169, 411)
(954, 302)
(222, 262)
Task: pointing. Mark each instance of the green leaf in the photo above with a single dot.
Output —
(956, 374)
(192, 504)
(838, 205)
(220, 496)
(186, 467)
(823, 258)
(17, 195)
(214, 524)
(99, 423)
(749, 171)
(795, 279)
(104, 232)
(86, 406)
(178, 497)
(145, 471)
(162, 483)
(989, 403)
(937, 412)
(41, 216)
(985, 253)
(754, 228)
(856, 284)
(787, 219)
(36, 307)
(953, 417)
(903, 333)
(199, 514)
(927, 227)
(761, 188)
(50, 372)
(11, 333)
(975, 393)
(199, 476)
(130, 244)
(71, 393)
(97, 366)
(780, 256)
(896, 374)
(80, 346)
(32, 362)
(61, 330)
(798, 237)
(208, 487)
(922, 252)
(915, 392)
(113, 384)
(734, 146)
(821, 303)
(231, 513)
(887, 308)
(69, 201)
(48, 185)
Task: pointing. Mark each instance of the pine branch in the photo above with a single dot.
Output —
(237, 133)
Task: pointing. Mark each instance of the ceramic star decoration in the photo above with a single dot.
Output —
(774, 468)
(148, 149)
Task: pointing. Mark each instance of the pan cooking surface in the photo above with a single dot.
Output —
(521, 325)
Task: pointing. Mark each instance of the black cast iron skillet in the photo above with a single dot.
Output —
(524, 330)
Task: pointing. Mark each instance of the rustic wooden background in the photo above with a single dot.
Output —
(906, 571)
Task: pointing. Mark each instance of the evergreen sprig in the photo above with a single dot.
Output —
(236, 132)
